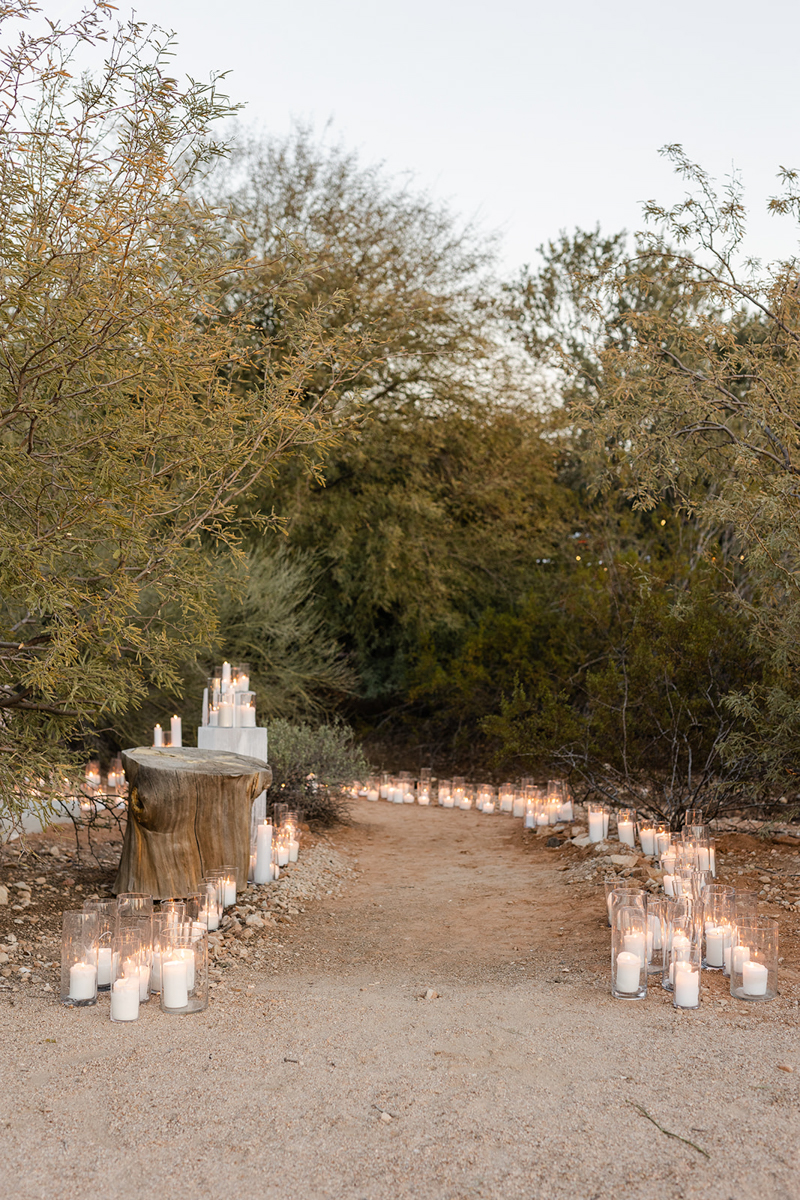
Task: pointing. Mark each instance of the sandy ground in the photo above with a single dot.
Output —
(319, 1071)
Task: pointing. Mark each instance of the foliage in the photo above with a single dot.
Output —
(132, 419)
(313, 767)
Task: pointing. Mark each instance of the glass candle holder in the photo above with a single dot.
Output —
(693, 816)
(459, 783)
(703, 854)
(262, 851)
(244, 710)
(597, 815)
(240, 677)
(662, 840)
(424, 791)
(79, 959)
(626, 827)
(754, 960)
(686, 975)
(374, 787)
(445, 796)
(719, 915)
(106, 911)
(142, 927)
(228, 883)
(184, 974)
(126, 982)
(657, 917)
(132, 904)
(517, 799)
(628, 953)
(505, 797)
(426, 776)
(224, 703)
(529, 816)
(384, 788)
(467, 798)
(683, 938)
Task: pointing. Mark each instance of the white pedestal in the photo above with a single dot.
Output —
(252, 742)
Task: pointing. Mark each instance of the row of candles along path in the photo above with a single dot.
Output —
(699, 925)
(132, 949)
(545, 805)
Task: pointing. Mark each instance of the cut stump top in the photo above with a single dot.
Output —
(188, 760)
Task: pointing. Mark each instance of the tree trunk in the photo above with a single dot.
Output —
(188, 812)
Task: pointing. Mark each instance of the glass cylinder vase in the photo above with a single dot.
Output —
(184, 974)
(754, 960)
(79, 959)
(628, 953)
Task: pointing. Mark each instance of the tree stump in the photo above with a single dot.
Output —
(188, 812)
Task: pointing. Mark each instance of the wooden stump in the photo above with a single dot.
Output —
(188, 812)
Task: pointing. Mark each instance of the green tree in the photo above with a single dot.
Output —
(132, 422)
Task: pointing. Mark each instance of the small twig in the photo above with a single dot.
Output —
(677, 1136)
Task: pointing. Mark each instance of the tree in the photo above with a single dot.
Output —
(133, 420)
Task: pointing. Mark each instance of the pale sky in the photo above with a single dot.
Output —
(528, 118)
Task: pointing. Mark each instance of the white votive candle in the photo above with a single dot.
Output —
(648, 839)
(82, 981)
(104, 966)
(629, 967)
(125, 999)
(229, 885)
(294, 850)
(372, 794)
(754, 979)
(715, 945)
(174, 986)
(669, 885)
(687, 986)
(625, 833)
(595, 827)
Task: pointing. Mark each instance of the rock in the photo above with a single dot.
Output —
(431, 995)
(624, 860)
(254, 921)
(55, 852)
(3, 958)
(3, 894)
(786, 1067)
(581, 841)
(553, 843)
(386, 1117)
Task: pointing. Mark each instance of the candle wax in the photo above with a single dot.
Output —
(174, 986)
(754, 979)
(687, 986)
(629, 968)
(82, 981)
(125, 1000)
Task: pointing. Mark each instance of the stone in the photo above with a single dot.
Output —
(55, 852)
(581, 841)
(3, 958)
(553, 843)
(386, 1117)
(624, 860)
(3, 894)
(254, 921)
(431, 995)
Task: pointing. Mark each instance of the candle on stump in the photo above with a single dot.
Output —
(175, 734)
(158, 736)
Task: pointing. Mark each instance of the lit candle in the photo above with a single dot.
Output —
(715, 945)
(625, 833)
(703, 858)
(158, 736)
(542, 817)
(506, 802)
(423, 796)
(373, 794)
(294, 849)
(669, 885)
(82, 981)
(125, 1000)
(174, 985)
(687, 985)
(261, 872)
(741, 955)
(488, 806)
(226, 676)
(175, 731)
(648, 839)
(204, 712)
(104, 966)
(754, 979)
(448, 801)
(635, 944)
(518, 809)
(595, 826)
(629, 966)
(225, 711)
(247, 716)
(229, 885)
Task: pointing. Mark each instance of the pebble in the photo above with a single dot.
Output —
(3, 894)
(431, 995)
(386, 1117)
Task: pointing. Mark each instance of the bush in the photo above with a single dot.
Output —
(313, 766)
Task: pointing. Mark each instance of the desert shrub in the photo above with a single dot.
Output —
(313, 767)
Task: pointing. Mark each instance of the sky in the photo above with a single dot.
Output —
(527, 118)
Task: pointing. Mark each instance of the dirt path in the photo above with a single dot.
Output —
(519, 1080)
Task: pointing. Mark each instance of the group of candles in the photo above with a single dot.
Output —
(175, 733)
(274, 844)
(132, 950)
(228, 702)
(697, 925)
(537, 805)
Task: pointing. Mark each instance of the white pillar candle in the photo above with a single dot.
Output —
(158, 735)
(703, 858)
(681, 947)
(625, 833)
(448, 802)
(104, 966)
(261, 872)
(226, 676)
(754, 979)
(595, 827)
(506, 803)
(635, 944)
(605, 824)
(294, 850)
(654, 925)
(229, 885)
(530, 820)
(488, 806)
(715, 945)
(687, 986)
(565, 811)
(174, 986)
(144, 982)
(204, 711)
(648, 839)
(213, 717)
(712, 857)
(247, 716)
(283, 854)
(741, 955)
(125, 999)
(629, 966)
(384, 790)
(518, 809)
(726, 957)
(669, 885)
(373, 793)
(542, 818)
(276, 871)
(225, 712)
(82, 981)
(175, 731)
(423, 797)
